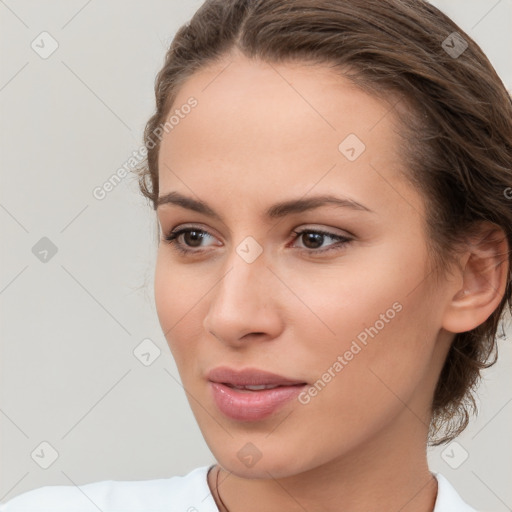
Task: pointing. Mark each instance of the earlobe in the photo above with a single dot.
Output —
(484, 279)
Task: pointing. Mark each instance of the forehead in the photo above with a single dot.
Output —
(262, 130)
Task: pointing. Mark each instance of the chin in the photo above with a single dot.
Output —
(253, 457)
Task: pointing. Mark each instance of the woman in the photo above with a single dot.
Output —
(332, 185)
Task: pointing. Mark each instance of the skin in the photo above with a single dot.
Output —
(262, 134)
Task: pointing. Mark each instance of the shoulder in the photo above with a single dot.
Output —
(188, 493)
(448, 500)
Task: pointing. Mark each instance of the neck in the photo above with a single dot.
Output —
(387, 474)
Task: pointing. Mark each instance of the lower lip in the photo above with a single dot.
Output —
(252, 405)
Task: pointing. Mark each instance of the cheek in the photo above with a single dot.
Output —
(363, 375)
(181, 300)
(337, 303)
(380, 355)
(175, 298)
(165, 284)
(177, 288)
(374, 314)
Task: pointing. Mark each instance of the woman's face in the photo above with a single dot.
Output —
(352, 325)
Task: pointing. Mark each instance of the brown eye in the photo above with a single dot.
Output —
(313, 240)
(193, 238)
(188, 240)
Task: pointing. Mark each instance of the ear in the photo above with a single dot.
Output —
(484, 271)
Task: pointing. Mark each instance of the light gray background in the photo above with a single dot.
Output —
(69, 326)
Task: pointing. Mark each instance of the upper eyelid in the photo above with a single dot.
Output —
(301, 227)
(183, 227)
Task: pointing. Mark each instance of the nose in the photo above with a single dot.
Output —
(245, 304)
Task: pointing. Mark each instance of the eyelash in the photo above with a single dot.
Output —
(172, 239)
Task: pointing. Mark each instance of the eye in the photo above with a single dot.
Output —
(313, 240)
(190, 240)
(185, 238)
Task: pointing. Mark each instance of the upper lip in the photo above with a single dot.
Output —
(249, 377)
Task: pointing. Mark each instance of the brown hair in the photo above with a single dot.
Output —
(458, 133)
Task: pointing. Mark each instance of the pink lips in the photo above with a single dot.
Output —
(251, 404)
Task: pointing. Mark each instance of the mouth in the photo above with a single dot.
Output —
(251, 378)
(251, 394)
(261, 387)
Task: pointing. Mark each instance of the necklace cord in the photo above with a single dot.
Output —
(217, 490)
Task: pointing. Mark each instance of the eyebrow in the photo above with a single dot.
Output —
(273, 212)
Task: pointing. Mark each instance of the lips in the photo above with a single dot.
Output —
(254, 388)
(251, 394)
(249, 377)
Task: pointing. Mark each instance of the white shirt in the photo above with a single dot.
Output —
(189, 493)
